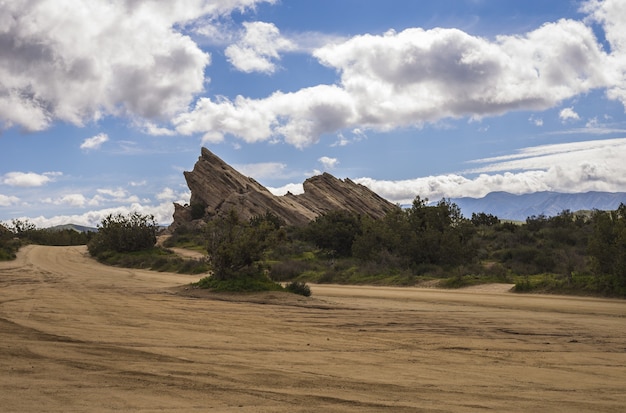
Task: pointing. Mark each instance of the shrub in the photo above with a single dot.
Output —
(298, 288)
(288, 270)
(240, 284)
(120, 233)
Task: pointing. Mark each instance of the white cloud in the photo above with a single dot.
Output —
(611, 14)
(168, 194)
(342, 140)
(414, 77)
(545, 156)
(568, 114)
(28, 179)
(162, 212)
(328, 163)
(151, 128)
(571, 167)
(76, 200)
(114, 193)
(294, 189)
(299, 117)
(536, 121)
(94, 142)
(8, 200)
(259, 48)
(129, 59)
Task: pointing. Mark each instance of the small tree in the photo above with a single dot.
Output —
(483, 219)
(335, 231)
(22, 228)
(234, 245)
(124, 233)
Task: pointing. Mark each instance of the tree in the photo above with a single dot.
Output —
(442, 235)
(124, 233)
(335, 232)
(483, 219)
(22, 228)
(380, 239)
(234, 246)
(607, 245)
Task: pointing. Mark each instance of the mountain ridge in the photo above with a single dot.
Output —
(506, 205)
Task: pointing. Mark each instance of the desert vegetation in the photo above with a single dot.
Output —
(574, 253)
(130, 241)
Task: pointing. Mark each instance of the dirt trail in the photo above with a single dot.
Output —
(78, 336)
(183, 252)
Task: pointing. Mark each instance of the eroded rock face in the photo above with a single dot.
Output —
(216, 188)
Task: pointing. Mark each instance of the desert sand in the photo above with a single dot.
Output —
(78, 336)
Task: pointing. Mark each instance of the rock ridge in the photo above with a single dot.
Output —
(217, 188)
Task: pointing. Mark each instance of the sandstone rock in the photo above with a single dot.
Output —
(216, 188)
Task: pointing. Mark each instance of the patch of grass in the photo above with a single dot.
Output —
(576, 284)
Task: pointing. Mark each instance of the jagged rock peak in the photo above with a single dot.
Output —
(216, 188)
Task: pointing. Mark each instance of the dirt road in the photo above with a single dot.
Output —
(78, 336)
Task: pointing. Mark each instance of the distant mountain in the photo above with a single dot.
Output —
(519, 207)
(77, 228)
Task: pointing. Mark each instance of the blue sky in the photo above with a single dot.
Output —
(103, 104)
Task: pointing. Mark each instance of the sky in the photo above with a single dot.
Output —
(104, 103)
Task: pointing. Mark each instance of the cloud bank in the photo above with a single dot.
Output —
(570, 167)
(134, 59)
(62, 60)
(416, 76)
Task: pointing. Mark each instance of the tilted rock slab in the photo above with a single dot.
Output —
(218, 188)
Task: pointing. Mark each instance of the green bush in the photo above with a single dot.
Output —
(297, 287)
(120, 233)
(240, 284)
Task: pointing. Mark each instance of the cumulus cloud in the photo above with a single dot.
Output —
(571, 167)
(169, 194)
(259, 48)
(130, 59)
(611, 14)
(328, 163)
(118, 195)
(28, 179)
(414, 77)
(94, 142)
(8, 200)
(77, 200)
(114, 193)
(568, 114)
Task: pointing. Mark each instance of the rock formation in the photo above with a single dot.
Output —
(217, 188)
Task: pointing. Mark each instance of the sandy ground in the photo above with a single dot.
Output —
(183, 252)
(79, 336)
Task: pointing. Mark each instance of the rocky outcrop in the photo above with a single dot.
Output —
(216, 188)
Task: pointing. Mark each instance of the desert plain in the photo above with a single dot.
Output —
(77, 336)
